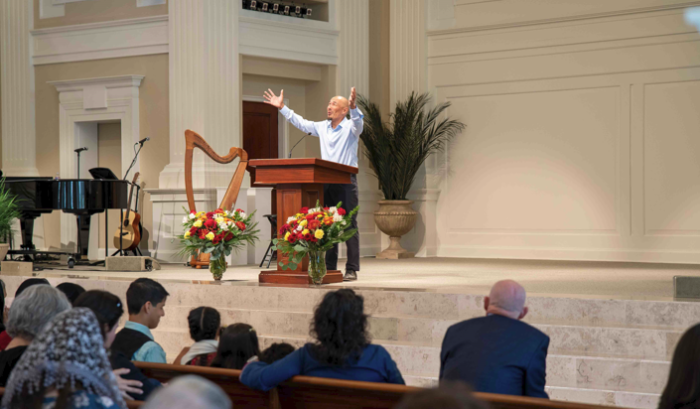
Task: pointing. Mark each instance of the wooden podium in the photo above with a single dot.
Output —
(299, 183)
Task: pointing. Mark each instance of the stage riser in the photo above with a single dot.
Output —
(601, 351)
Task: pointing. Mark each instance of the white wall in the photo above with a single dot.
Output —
(583, 129)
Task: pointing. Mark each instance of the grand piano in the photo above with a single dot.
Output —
(81, 197)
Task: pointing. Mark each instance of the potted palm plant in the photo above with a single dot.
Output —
(396, 150)
(9, 211)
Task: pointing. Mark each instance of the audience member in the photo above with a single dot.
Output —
(683, 388)
(342, 349)
(108, 308)
(450, 395)
(72, 291)
(237, 345)
(275, 352)
(3, 315)
(5, 338)
(497, 353)
(30, 313)
(145, 300)
(205, 323)
(188, 392)
(65, 367)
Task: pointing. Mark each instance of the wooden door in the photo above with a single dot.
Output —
(260, 137)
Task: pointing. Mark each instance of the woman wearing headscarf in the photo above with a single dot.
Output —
(66, 367)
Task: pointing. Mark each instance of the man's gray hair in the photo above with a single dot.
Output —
(187, 392)
(33, 309)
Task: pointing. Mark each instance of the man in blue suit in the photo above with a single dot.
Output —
(497, 353)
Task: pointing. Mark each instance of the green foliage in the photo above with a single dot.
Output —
(9, 211)
(399, 148)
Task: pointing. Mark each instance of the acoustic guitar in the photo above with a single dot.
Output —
(129, 233)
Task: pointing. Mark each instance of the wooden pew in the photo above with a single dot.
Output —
(310, 392)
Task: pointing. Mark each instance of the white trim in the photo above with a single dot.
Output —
(282, 126)
(93, 100)
(121, 38)
(260, 35)
(148, 3)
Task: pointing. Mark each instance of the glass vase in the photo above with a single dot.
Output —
(317, 266)
(217, 267)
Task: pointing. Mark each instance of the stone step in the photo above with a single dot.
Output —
(655, 344)
(605, 397)
(642, 314)
(422, 365)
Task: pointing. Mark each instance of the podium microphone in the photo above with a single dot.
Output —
(81, 149)
(295, 145)
(144, 140)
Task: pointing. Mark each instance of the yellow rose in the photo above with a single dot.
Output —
(198, 224)
(300, 215)
(200, 214)
(219, 220)
(286, 236)
(319, 234)
(305, 231)
(303, 223)
(210, 236)
(187, 235)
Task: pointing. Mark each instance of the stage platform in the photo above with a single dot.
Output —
(576, 279)
(613, 326)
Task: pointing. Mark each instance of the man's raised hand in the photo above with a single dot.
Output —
(274, 100)
(351, 100)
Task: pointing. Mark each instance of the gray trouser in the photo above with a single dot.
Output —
(350, 196)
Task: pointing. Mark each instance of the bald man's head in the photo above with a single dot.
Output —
(507, 298)
(338, 108)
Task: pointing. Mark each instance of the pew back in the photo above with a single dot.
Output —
(311, 393)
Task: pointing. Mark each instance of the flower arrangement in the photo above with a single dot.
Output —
(314, 231)
(217, 233)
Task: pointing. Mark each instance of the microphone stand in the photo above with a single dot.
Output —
(295, 145)
(121, 218)
(133, 162)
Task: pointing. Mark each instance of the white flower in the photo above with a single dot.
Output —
(290, 218)
(333, 210)
(242, 214)
(337, 218)
(226, 213)
(192, 216)
(300, 228)
(185, 220)
(314, 210)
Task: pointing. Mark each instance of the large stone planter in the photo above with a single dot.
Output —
(4, 247)
(395, 218)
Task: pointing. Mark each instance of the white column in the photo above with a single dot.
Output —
(204, 87)
(408, 66)
(17, 87)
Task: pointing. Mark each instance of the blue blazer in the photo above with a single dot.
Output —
(496, 354)
(375, 365)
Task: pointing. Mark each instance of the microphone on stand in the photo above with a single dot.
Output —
(84, 148)
(144, 140)
(295, 145)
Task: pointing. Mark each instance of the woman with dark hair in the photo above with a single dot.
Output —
(237, 345)
(683, 388)
(108, 308)
(65, 367)
(71, 290)
(342, 349)
(204, 323)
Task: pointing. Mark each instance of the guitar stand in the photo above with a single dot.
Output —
(136, 251)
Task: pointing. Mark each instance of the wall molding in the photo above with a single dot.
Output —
(259, 37)
(112, 39)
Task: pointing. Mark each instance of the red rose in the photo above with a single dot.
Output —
(228, 237)
(210, 224)
(202, 234)
(239, 210)
(210, 215)
(304, 210)
(193, 212)
(293, 224)
(313, 239)
(341, 211)
(309, 216)
(326, 208)
(193, 231)
(284, 229)
(219, 211)
(308, 236)
(240, 225)
(314, 224)
(292, 238)
(217, 239)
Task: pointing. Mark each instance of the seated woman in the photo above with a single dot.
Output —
(237, 345)
(30, 313)
(204, 323)
(65, 367)
(683, 388)
(108, 308)
(5, 338)
(342, 349)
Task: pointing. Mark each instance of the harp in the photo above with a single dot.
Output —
(194, 140)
